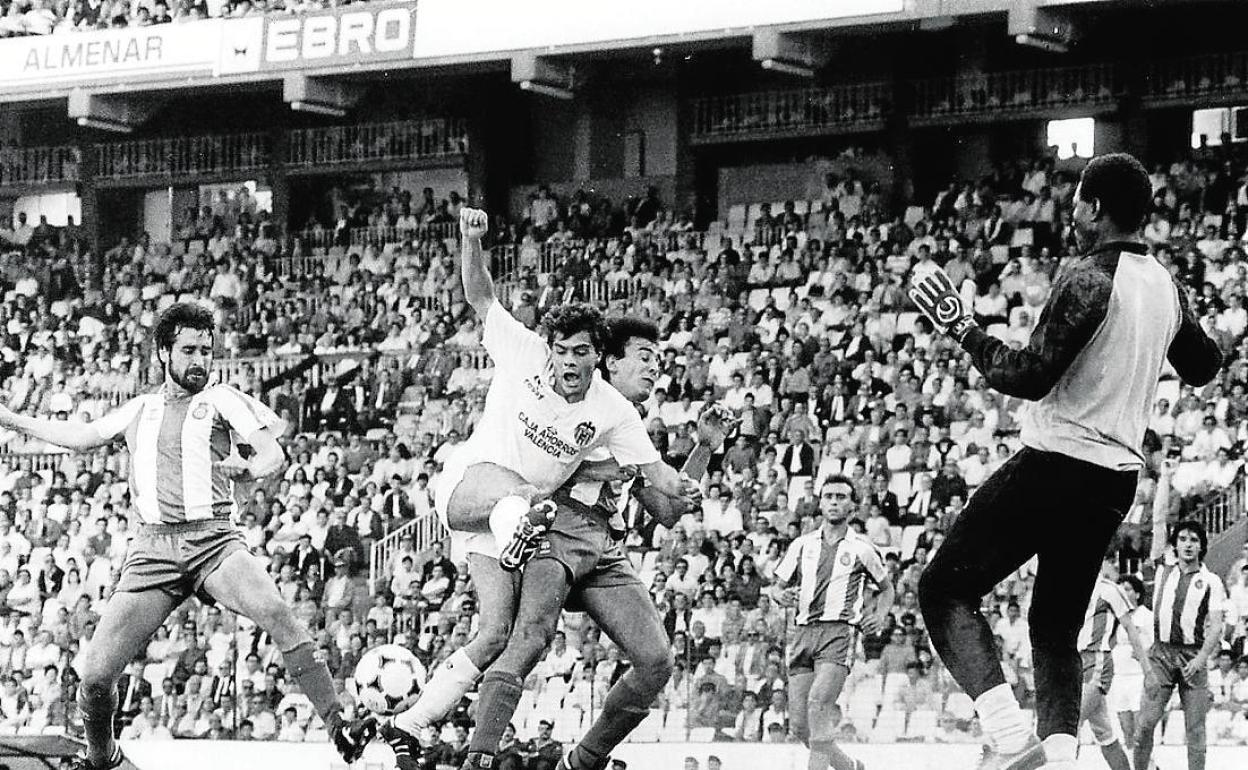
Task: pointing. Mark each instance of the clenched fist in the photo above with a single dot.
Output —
(473, 223)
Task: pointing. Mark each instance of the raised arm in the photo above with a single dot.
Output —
(1161, 510)
(474, 268)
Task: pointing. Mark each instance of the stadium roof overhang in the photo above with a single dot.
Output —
(317, 62)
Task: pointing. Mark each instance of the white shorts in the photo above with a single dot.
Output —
(1126, 692)
(462, 543)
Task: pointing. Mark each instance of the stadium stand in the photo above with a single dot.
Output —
(823, 351)
(790, 309)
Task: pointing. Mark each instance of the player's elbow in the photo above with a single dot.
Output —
(1030, 385)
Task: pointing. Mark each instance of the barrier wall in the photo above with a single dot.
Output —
(215, 755)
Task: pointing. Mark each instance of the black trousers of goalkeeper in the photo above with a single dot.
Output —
(1038, 503)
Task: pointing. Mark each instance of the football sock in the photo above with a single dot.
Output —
(1115, 756)
(505, 517)
(313, 677)
(622, 710)
(1060, 747)
(449, 683)
(97, 706)
(1003, 720)
(500, 695)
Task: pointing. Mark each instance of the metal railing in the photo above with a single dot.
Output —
(183, 155)
(397, 140)
(38, 165)
(1002, 93)
(1225, 508)
(378, 235)
(798, 111)
(425, 531)
(1197, 77)
(35, 461)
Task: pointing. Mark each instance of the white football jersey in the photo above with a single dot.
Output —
(528, 427)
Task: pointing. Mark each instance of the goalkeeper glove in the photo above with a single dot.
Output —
(935, 296)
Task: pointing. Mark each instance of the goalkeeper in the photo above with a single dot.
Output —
(1090, 372)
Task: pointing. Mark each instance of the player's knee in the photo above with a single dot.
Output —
(1102, 732)
(1196, 733)
(97, 682)
(532, 637)
(280, 623)
(934, 595)
(492, 639)
(799, 726)
(654, 667)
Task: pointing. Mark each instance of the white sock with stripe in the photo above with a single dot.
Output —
(449, 683)
(1059, 748)
(505, 518)
(1003, 720)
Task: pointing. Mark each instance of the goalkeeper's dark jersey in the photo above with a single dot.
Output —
(1094, 360)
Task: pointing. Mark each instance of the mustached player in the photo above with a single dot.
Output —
(184, 460)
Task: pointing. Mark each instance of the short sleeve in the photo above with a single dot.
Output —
(114, 424)
(510, 343)
(1118, 602)
(1217, 596)
(873, 563)
(629, 443)
(598, 455)
(787, 567)
(244, 414)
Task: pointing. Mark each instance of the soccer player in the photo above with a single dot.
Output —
(547, 409)
(825, 573)
(1109, 609)
(630, 365)
(1091, 370)
(185, 458)
(582, 565)
(1189, 607)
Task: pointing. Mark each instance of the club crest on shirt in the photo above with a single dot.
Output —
(584, 433)
(1198, 584)
(845, 559)
(200, 412)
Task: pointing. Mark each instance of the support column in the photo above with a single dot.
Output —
(89, 196)
(279, 184)
(900, 143)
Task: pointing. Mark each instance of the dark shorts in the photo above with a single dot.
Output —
(584, 544)
(820, 642)
(1098, 669)
(1167, 661)
(178, 558)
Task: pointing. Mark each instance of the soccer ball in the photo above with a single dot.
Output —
(388, 679)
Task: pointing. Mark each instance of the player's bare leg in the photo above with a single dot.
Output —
(829, 680)
(1195, 703)
(241, 585)
(496, 591)
(126, 625)
(543, 589)
(491, 498)
(1152, 708)
(1095, 710)
(627, 615)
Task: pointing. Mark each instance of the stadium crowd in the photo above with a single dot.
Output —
(793, 314)
(46, 17)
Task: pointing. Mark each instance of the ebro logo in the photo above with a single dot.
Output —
(357, 34)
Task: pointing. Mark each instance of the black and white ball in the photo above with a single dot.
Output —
(388, 679)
